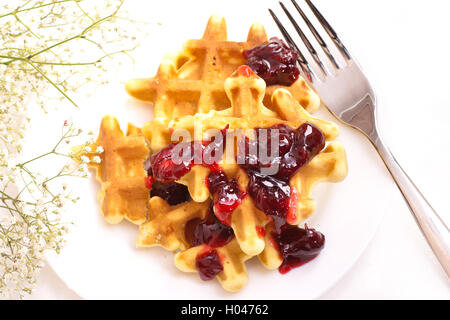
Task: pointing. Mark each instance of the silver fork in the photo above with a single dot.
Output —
(348, 95)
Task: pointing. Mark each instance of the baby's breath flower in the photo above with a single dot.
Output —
(85, 159)
(96, 159)
(44, 45)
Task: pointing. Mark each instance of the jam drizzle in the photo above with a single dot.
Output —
(174, 193)
(274, 61)
(208, 231)
(276, 198)
(271, 193)
(208, 264)
(297, 246)
(226, 193)
(213, 234)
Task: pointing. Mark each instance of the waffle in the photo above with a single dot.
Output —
(192, 81)
(165, 226)
(121, 172)
(206, 86)
(234, 275)
(285, 109)
(330, 165)
(246, 94)
(246, 218)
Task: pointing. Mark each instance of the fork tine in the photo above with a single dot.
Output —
(331, 33)
(305, 40)
(316, 34)
(303, 63)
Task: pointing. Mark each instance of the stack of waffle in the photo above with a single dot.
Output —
(204, 85)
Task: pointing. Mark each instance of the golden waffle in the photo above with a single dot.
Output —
(166, 228)
(285, 109)
(193, 81)
(246, 92)
(234, 275)
(330, 165)
(246, 218)
(166, 223)
(121, 172)
(270, 257)
(199, 87)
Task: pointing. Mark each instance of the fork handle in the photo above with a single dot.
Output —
(431, 225)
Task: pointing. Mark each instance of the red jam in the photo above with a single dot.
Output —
(245, 71)
(274, 61)
(174, 193)
(297, 246)
(291, 216)
(261, 231)
(208, 264)
(226, 193)
(164, 167)
(274, 196)
(149, 182)
(271, 193)
(208, 231)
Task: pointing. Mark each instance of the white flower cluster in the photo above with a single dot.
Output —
(30, 214)
(48, 48)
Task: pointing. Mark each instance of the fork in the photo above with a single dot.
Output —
(349, 97)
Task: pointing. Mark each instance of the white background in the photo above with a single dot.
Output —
(404, 48)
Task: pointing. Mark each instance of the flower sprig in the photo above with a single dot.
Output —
(43, 54)
(30, 220)
(49, 51)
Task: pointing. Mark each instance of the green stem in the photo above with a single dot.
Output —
(78, 36)
(6, 207)
(53, 46)
(21, 165)
(34, 8)
(84, 12)
(7, 197)
(52, 83)
(82, 63)
(26, 27)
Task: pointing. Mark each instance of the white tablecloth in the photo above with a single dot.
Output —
(404, 49)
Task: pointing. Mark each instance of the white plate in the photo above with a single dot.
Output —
(101, 261)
